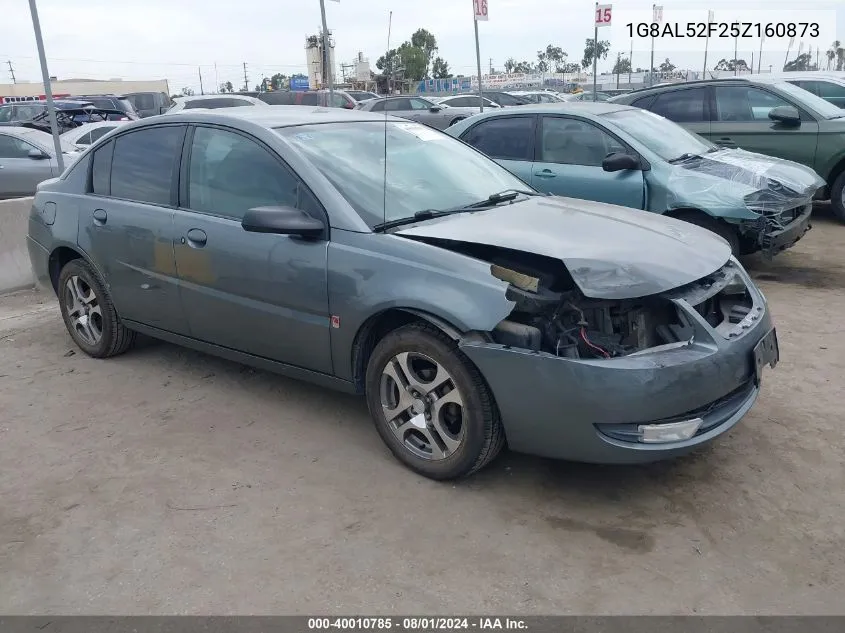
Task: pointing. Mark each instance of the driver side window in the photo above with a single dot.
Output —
(419, 104)
(572, 142)
(11, 147)
(744, 103)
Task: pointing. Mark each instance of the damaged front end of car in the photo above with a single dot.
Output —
(620, 380)
(776, 196)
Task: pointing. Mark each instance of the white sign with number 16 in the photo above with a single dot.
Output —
(480, 9)
(603, 14)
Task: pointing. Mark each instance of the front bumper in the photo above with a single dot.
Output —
(776, 235)
(586, 410)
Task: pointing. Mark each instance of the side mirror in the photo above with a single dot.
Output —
(618, 161)
(786, 115)
(281, 221)
(36, 154)
(163, 109)
(435, 108)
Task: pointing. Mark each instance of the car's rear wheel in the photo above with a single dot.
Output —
(837, 197)
(430, 404)
(722, 229)
(88, 312)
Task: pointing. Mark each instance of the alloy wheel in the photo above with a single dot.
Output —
(83, 310)
(422, 405)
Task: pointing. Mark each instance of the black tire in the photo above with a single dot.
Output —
(722, 229)
(483, 435)
(837, 197)
(115, 338)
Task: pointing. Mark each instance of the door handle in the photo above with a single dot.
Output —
(196, 238)
(546, 173)
(100, 217)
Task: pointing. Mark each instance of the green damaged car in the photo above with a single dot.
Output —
(634, 158)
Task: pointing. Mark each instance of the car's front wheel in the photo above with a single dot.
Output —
(88, 312)
(431, 405)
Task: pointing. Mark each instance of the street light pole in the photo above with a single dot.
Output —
(327, 70)
(48, 89)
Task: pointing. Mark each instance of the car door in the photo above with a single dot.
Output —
(740, 119)
(19, 172)
(126, 223)
(401, 107)
(689, 107)
(259, 293)
(570, 152)
(509, 140)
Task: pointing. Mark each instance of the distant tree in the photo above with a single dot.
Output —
(279, 81)
(568, 67)
(187, 92)
(524, 67)
(622, 65)
(594, 50)
(440, 69)
(835, 56)
(666, 66)
(728, 64)
(425, 41)
(802, 62)
(226, 86)
(510, 64)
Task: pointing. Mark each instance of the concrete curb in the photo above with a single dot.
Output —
(15, 270)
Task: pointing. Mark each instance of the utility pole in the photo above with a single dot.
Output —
(246, 79)
(48, 87)
(491, 65)
(199, 72)
(596, 56)
(12, 72)
(328, 71)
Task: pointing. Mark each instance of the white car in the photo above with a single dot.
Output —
(213, 102)
(86, 134)
(465, 101)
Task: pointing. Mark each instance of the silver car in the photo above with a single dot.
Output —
(213, 102)
(27, 158)
(425, 111)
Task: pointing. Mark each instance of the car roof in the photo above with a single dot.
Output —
(581, 108)
(273, 116)
(838, 78)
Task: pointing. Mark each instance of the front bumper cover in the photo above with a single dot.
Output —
(574, 409)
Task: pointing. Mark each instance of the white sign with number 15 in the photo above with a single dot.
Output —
(480, 9)
(603, 14)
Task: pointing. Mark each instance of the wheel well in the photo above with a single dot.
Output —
(457, 119)
(834, 174)
(58, 259)
(380, 325)
(679, 214)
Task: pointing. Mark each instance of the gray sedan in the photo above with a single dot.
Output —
(382, 257)
(27, 157)
(433, 114)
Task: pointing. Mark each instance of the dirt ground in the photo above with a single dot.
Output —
(169, 482)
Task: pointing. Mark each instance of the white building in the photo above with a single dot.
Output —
(314, 60)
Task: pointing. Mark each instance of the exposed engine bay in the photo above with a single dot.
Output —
(552, 315)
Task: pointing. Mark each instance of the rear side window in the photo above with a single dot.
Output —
(143, 101)
(144, 163)
(509, 138)
(101, 169)
(85, 139)
(310, 98)
(682, 106)
(97, 133)
(378, 106)
(643, 102)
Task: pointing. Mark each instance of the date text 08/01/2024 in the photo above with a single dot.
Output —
(731, 30)
(415, 623)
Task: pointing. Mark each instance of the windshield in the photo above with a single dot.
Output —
(426, 169)
(804, 97)
(663, 137)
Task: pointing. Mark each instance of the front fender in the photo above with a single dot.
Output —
(369, 273)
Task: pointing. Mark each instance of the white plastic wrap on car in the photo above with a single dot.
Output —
(771, 185)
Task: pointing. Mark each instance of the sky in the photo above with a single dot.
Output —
(163, 39)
